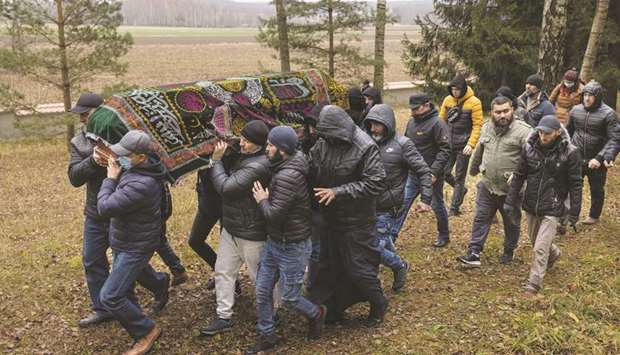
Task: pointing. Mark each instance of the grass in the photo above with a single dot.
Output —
(154, 31)
(444, 309)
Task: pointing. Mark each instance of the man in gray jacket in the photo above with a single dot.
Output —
(496, 157)
(399, 156)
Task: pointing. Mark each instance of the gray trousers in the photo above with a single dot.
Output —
(487, 205)
(542, 232)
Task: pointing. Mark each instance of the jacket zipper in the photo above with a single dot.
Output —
(542, 180)
(585, 136)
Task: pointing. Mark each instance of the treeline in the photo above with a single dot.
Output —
(225, 13)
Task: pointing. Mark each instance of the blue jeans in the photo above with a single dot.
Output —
(94, 258)
(288, 262)
(412, 191)
(385, 238)
(117, 293)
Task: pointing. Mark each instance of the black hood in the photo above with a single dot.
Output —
(383, 114)
(152, 167)
(335, 123)
(460, 83)
(595, 89)
(356, 99)
(374, 94)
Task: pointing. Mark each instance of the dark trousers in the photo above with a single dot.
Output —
(596, 180)
(487, 205)
(117, 293)
(94, 258)
(169, 257)
(203, 223)
(459, 162)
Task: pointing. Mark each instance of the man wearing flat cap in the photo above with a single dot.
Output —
(243, 231)
(550, 166)
(430, 135)
(131, 197)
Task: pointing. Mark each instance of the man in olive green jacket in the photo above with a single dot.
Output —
(496, 157)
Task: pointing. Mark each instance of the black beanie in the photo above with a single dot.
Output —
(535, 80)
(256, 132)
(284, 138)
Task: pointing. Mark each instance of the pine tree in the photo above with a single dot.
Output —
(322, 34)
(63, 43)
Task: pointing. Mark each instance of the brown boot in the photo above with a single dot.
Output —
(145, 344)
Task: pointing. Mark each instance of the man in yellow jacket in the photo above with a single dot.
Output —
(462, 112)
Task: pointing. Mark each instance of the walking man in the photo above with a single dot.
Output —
(550, 166)
(496, 157)
(430, 136)
(534, 100)
(285, 205)
(399, 156)
(462, 112)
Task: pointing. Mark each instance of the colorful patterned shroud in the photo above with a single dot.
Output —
(187, 119)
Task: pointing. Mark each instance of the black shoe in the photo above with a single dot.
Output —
(377, 314)
(470, 259)
(454, 213)
(506, 258)
(440, 243)
(211, 284)
(218, 325)
(179, 278)
(315, 326)
(263, 343)
(561, 229)
(94, 319)
(400, 277)
(237, 289)
(161, 297)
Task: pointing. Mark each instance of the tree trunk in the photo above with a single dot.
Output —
(598, 25)
(285, 64)
(552, 41)
(379, 44)
(330, 33)
(64, 68)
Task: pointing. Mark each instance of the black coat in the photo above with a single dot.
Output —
(240, 214)
(551, 174)
(399, 156)
(594, 132)
(287, 210)
(84, 170)
(134, 206)
(430, 136)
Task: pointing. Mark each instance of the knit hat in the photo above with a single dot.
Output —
(571, 74)
(284, 138)
(535, 80)
(256, 132)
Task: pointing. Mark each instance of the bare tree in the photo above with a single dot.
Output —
(380, 21)
(598, 25)
(552, 38)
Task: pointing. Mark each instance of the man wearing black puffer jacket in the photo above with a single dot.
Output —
(346, 169)
(286, 208)
(399, 156)
(430, 136)
(551, 168)
(593, 127)
(133, 202)
(243, 232)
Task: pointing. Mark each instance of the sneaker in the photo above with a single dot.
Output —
(561, 229)
(440, 243)
(263, 342)
(376, 315)
(530, 290)
(94, 319)
(454, 213)
(211, 284)
(551, 261)
(590, 221)
(471, 259)
(179, 278)
(506, 258)
(161, 297)
(315, 326)
(400, 277)
(218, 325)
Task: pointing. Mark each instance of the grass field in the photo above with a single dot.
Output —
(444, 309)
(163, 55)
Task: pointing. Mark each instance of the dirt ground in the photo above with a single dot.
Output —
(444, 309)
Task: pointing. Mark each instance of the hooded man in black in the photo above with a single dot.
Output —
(348, 176)
(357, 105)
(372, 97)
